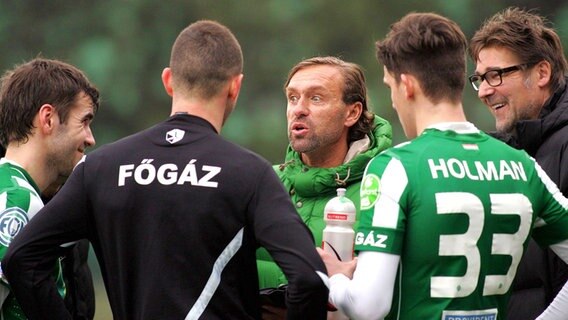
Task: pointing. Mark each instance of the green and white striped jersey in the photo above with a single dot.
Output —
(458, 207)
(19, 202)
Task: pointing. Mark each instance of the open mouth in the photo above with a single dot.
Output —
(497, 106)
(299, 127)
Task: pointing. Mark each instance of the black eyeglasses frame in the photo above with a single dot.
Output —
(474, 78)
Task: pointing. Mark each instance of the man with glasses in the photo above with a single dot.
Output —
(446, 216)
(520, 75)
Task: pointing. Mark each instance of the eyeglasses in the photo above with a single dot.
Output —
(494, 77)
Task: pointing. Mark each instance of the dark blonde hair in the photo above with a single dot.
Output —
(354, 90)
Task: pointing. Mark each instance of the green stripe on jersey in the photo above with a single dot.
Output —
(458, 209)
(19, 202)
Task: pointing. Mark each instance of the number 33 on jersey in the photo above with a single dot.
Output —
(460, 218)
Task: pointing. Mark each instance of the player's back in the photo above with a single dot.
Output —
(171, 201)
(465, 213)
(175, 214)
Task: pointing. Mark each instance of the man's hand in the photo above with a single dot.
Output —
(334, 266)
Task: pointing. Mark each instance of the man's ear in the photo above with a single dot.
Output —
(235, 87)
(408, 85)
(354, 112)
(46, 118)
(167, 80)
(544, 71)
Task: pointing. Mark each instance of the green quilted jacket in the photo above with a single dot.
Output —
(310, 189)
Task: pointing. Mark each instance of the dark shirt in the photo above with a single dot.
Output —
(541, 273)
(174, 214)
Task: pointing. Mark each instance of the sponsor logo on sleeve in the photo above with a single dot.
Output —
(370, 191)
(12, 220)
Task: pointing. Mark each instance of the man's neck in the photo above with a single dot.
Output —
(211, 110)
(438, 113)
(31, 159)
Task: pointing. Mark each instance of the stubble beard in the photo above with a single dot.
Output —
(528, 112)
(61, 166)
(509, 125)
(506, 127)
(61, 159)
(303, 145)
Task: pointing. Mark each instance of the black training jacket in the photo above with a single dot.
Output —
(175, 214)
(541, 273)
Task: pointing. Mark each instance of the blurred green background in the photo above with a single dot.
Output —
(123, 46)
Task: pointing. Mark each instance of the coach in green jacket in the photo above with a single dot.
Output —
(332, 137)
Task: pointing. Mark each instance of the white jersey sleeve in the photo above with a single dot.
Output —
(360, 298)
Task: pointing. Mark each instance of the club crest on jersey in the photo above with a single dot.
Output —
(174, 135)
(12, 220)
(370, 191)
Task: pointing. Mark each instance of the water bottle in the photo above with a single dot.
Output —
(338, 235)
